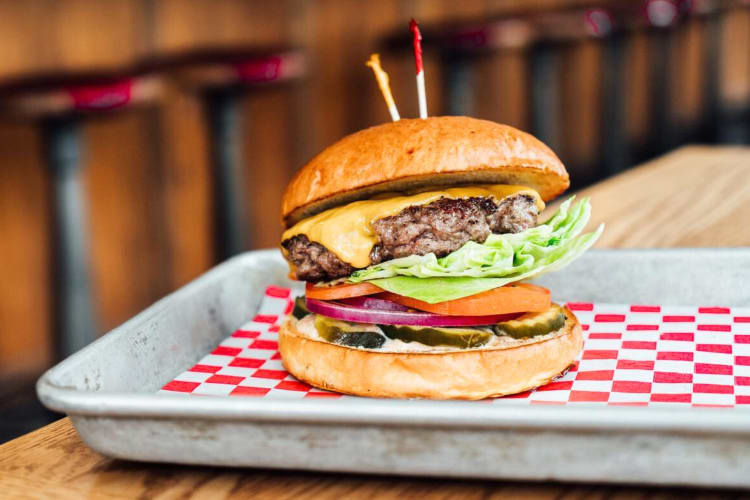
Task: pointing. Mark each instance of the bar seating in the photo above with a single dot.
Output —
(222, 78)
(60, 104)
(543, 37)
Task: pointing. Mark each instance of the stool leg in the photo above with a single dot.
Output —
(711, 85)
(223, 112)
(615, 154)
(545, 99)
(74, 310)
(663, 135)
(458, 83)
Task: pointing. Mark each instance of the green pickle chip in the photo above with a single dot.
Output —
(343, 333)
(532, 325)
(435, 336)
(352, 335)
(300, 308)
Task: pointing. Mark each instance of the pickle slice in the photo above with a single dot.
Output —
(533, 324)
(343, 333)
(434, 336)
(300, 308)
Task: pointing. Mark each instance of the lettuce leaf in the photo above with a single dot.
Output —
(501, 259)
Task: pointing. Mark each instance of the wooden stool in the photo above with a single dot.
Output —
(60, 105)
(222, 77)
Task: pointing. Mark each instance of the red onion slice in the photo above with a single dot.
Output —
(346, 312)
(373, 303)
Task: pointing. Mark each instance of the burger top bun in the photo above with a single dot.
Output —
(418, 154)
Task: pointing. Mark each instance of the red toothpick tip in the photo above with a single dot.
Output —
(414, 28)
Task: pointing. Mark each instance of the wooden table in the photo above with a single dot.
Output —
(696, 196)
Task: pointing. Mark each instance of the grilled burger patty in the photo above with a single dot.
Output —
(440, 227)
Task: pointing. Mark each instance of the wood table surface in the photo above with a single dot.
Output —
(695, 196)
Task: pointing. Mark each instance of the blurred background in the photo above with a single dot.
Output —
(142, 142)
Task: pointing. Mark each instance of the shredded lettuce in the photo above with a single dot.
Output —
(501, 259)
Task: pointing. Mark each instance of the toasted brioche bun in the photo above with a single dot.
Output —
(456, 374)
(422, 154)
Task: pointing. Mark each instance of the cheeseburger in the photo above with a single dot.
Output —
(415, 240)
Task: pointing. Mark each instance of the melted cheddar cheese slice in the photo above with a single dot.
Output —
(347, 231)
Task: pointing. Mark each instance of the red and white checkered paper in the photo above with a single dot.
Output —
(636, 355)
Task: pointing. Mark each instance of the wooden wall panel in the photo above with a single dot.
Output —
(148, 174)
(25, 299)
(298, 29)
(581, 108)
(268, 168)
(42, 36)
(687, 80)
(502, 89)
(94, 34)
(332, 64)
(374, 21)
(181, 25)
(126, 216)
(25, 47)
(735, 58)
(637, 88)
(503, 6)
(430, 11)
(187, 185)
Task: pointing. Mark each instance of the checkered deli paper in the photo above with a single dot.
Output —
(636, 355)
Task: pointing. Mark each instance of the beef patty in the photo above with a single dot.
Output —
(441, 227)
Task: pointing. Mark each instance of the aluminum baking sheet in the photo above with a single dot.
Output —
(109, 389)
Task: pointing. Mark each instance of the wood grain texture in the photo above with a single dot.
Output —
(503, 88)
(735, 64)
(126, 219)
(688, 78)
(267, 142)
(581, 108)
(692, 197)
(187, 186)
(45, 35)
(25, 239)
(637, 88)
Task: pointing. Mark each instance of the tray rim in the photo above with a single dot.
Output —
(401, 413)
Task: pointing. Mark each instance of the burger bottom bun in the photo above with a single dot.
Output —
(460, 374)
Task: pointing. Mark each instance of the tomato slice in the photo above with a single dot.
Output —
(343, 291)
(515, 298)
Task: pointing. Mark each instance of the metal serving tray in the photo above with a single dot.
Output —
(109, 390)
